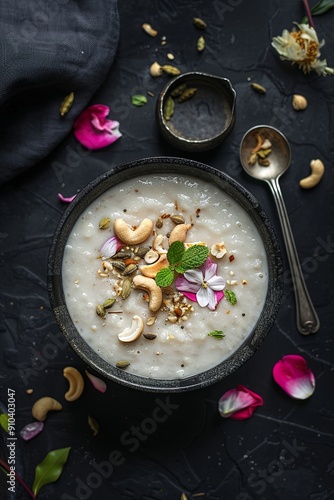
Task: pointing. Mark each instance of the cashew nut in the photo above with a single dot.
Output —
(149, 285)
(151, 256)
(133, 236)
(317, 171)
(42, 406)
(179, 233)
(157, 244)
(133, 332)
(76, 382)
(151, 270)
(149, 30)
(299, 102)
(155, 69)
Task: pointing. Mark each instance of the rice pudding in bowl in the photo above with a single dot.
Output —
(165, 274)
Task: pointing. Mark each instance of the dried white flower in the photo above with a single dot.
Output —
(302, 47)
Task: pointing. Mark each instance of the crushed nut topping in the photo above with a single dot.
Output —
(178, 308)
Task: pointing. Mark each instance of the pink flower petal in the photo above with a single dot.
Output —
(190, 296)
(98, 383)
(110, 247)
(93, 130)
(64, 199)
(219, 296)
(239, 403)
(292, 374)
(29, 431)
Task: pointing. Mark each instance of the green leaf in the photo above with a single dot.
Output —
(164, 277)
(50, 469)
(230, 296)
(139, 100)
(321, 7)
(217, 334)
(4, 421)
(192, 258)
(175, 252)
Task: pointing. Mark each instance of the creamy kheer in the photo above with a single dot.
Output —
(175, 341)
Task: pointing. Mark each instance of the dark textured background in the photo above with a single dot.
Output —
(286, 450)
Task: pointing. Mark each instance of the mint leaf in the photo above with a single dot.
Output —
(192, 258)
(217, 334)
(230, 296)
(175, 252)
(164, 277)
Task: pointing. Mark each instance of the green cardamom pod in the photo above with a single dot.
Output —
(100, 311)
(264, 162)
(199, 23)
(104, 223)
(187, 94)
(263, 153)
(177, 219)
(178, 90)
(126, 288)
(169, 108)
(171, 70)
(107, 304)
(66, 104)
(259, 88)
(122, 364)
(201, 44)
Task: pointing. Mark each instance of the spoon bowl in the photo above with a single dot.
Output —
(280, 159)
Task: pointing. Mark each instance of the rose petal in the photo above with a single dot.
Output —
(219, 296)
(292, 374)
(98, 384)
(64, 199)
(239, 403)
(190, 296)
(93, 130)
(110, 247)
(29, 431)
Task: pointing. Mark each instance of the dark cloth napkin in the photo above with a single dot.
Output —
(49, 48)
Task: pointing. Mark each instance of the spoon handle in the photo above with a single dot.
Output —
(307, 319)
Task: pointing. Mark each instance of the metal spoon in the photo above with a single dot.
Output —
(280, 157)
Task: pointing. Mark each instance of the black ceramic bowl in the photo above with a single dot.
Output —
(202, 122)
(180, 167)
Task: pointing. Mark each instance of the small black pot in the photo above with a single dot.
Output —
(205, 120)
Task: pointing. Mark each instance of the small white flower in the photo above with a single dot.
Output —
(302, 47)
(204, 283)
